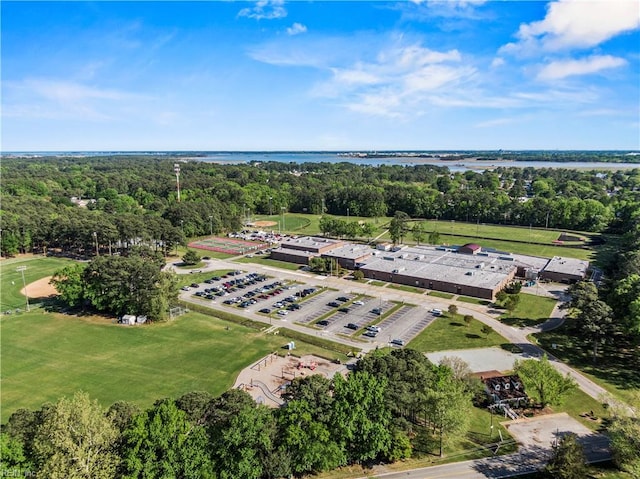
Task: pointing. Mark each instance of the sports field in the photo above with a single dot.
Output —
(37, 267)
(227, 245)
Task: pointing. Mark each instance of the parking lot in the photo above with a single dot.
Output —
(322, 310)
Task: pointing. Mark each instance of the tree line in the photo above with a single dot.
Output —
(133, 200)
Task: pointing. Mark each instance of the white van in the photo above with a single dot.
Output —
(436, 312)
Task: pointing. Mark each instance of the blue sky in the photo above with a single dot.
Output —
(332, 75)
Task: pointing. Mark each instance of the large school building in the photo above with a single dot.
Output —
(468, 270)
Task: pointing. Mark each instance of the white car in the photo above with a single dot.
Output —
(359, 303)
(373, 329)
(436, 312)
(283, 312)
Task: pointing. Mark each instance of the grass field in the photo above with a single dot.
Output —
(440, 294)
(270, 262)
(11, 280)
(451, 332)
(531, 310)
(46, 356)
(468, 299)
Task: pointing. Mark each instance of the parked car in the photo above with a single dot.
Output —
(343, 310)
(377, 311)
(342, 299)
(397, 342)
(283, 312)
(185, 288)
(353, 326)
(333, 304)
(436, 312)
(375, 329)
(358, 303)
(323, 322)
(371, 334)
(195, 285)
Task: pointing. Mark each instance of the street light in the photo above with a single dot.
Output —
(270, 198)
(95, 239)
(21, 269)
(211, 224)
(284, 225)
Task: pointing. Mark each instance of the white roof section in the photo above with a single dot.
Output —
(444, 264)
(311, 242)
(295, 252)
(350, 251)
(559, 264)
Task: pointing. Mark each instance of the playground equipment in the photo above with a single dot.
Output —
(308, 365)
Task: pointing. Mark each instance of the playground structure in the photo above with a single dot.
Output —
(268, 377)
(308, 365)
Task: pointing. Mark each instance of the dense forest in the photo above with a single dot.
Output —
(134, 199)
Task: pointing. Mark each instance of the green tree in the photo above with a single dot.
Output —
(625, 301)
(624, 432)
(448, 407)
(69, 284)
(594, 322)
(122, 413)
(512, 302)
(307, 439)
(196, 404)
(76, 440)
(368, 229)
(418, 232)
(452, 309)
(567, 460)
(486, 330)
(582, 293)
(191, 257)
(13, 457)
(543, 382)
(242, 444)
(398, 226)
(434, 237)
(358, 275)
(468, 319)
(360, 422)
(161, 442)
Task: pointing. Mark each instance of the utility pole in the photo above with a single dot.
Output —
(211, 225)
(270, 198)
(21, 269)
(284, 225)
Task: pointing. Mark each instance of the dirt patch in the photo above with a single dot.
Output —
(263, 224)
(267, 378)
(40, 289)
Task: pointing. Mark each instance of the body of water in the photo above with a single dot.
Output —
(334, 157)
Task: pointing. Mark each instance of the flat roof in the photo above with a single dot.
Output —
(559, 264)
(311, 242)
(350, 251)
(443, 264)
(294, 252)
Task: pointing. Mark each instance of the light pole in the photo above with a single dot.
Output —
(176, 169)
(95, 239)
(21, 269)
(347, 214)
(211, 225)
(284, 225)
(270, 198)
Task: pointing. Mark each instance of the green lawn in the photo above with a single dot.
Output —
(613, 370)
(404, 287)
(11, 280)
(440, 294)
(468, 299)
(531, 310)
(270, 262)
(451, 332)
(46, 356)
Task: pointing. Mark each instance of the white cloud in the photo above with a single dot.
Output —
(451, 8)
(54, 99)
(497, 62)
(576, 24)
(265, 9)
(496, 122)
(398, 81)
(564, 68)
(296, 29)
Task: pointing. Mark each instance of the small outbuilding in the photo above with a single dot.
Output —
(470, 248)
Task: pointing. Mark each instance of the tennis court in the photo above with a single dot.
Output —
(228, 245)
